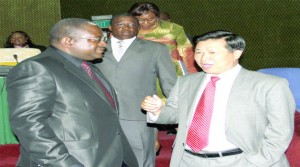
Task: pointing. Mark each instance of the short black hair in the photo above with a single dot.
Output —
(28, 39)
(123, 15)
(67, 27)
(234, 41)
(141, 8)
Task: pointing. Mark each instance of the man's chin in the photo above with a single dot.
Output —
(99, 56)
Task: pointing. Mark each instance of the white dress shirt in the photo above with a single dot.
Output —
(217, 137)
(115, 46)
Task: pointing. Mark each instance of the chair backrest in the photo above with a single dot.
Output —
(293, 77)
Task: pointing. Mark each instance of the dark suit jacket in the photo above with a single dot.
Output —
(61, 116)
(134, 76)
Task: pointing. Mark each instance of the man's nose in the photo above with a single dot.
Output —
(102, 44)
(205, 56)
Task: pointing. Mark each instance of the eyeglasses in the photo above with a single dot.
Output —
(95, 39)
(122, 25)
(148, 20)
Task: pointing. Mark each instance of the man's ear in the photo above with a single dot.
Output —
(237, 54)
(109, 27)
(67, 41)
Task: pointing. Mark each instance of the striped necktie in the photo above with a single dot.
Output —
(88, 70)
(198, 132)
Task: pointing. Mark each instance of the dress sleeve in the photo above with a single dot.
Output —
(185, 49)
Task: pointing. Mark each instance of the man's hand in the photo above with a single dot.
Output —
(152, 104)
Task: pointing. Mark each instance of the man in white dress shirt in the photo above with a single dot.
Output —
(251, 123)
(133, 68)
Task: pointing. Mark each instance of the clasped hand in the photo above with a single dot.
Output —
(152, 104)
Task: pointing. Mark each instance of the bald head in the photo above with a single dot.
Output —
(67, 27)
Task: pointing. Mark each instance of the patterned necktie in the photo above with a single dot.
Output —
(198, 133)
(88, 70)
(118, 52)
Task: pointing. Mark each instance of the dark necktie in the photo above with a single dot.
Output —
(88, 70)
(198, 132)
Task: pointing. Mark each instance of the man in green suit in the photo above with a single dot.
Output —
(251, 122)
(133, 74)
(59, 113)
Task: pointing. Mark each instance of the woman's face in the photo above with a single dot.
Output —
(18, 39)
(148, 20)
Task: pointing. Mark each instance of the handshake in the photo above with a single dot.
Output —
(152, 104)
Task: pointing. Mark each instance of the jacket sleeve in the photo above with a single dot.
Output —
(31, 97)
(279, 130)
(185, 50)
(166, 71)
(170, 112)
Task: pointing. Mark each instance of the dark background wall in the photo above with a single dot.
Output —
(271, 28)
(32, 16)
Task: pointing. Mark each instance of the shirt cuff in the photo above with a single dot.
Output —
(151, 118)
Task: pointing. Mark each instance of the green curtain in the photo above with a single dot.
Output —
(6, 135)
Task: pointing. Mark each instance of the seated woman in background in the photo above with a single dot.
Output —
(20, 39)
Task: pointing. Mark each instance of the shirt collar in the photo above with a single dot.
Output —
(229, 73)
(74, 60)
(114, 40)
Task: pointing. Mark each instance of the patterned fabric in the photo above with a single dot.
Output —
(198, 132)
(174, 37)
(181, 49)
(88, 70)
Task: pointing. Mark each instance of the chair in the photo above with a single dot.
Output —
(293, 77)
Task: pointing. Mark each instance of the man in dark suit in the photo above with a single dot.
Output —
(133, 72)
(60, 114)
(249, 119)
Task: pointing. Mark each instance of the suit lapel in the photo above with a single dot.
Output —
(238, 87)
(134, 47)
(81, 75)
(132, 50)
(111, 89)
(108, 53)
(194, 88)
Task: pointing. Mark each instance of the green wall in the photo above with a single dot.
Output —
(35, 17)
(270, 27)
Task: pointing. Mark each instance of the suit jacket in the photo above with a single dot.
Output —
(60, 116)
(259, 116)
(134, 76)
